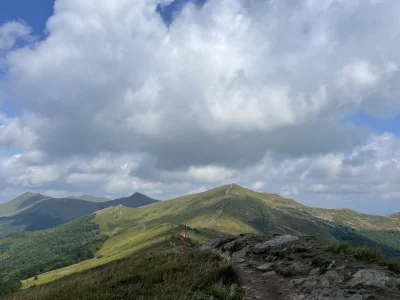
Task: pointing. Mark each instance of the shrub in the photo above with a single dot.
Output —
(393, 265)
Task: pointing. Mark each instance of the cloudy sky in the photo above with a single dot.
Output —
(164, 97)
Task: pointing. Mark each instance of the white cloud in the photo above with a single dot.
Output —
(318, 188)
(258, 185)
(75, 178)
(358, 73)
(10, 32)
(250, 92)
(289, 191)
(210, 173)
(13, 133)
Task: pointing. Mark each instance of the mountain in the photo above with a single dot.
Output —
(21, 202)
(37, 212)
(90, 198)
(228, 209)
(233, 209)
(135, 200)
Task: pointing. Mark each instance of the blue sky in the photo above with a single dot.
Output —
(34, 13)
(376, 125)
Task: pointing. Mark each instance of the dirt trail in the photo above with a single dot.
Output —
(221, 210)
(287, 267)
(259, 284)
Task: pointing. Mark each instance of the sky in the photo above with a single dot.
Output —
(299, 98)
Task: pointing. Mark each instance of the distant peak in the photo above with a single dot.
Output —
(137, 194)
(29, 194)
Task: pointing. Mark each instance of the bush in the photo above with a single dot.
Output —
(393, 265)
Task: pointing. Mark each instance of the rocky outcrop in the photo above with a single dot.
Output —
(300, 268)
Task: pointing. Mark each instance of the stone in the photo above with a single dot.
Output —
(299, 269)
(370, 277)
(264, 267)
(270, 273)
(241, 254)
(358, 297)
(331, 265)
(280, 240)
(314, 272)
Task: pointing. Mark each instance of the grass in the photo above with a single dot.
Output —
(245, 212)
(127, 242)
(27, 254)
(364, 254)
(164, 276)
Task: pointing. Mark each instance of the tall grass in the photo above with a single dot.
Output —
(359, 253)
(199, 276)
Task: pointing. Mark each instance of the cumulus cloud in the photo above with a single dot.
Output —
(11, 32)
(252, 92)
(210, 174)
(14, 133)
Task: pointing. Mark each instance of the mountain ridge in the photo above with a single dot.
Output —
(228, 209)
(38, 212)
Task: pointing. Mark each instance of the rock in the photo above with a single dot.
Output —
(331, 265)
(328, 294)
(314, 272)
(298, 282)
(264, 267)
(241, 254)
(270, 273)
(299, 269)
(240, 260)
(358, 297)
(280, 240)
(370, 277)
(330, 279)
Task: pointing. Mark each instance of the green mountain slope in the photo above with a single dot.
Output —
(229, 209)
(26, 254)
(21, 202)
(46, 212)
(233, 209)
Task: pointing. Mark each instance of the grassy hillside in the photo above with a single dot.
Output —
(23, 201)
(228, 209)
(243, 210)
(39, 212)
(127, 242)
(27, 254)
(161, 276)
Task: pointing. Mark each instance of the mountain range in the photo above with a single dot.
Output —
(31, 212)
(101, 232)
